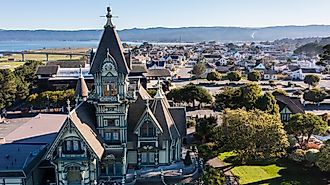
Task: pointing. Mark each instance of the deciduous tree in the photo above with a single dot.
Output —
(304, 125)
(213, 76)
(312, 80)
(199, 69)
(268, 104)
(254, 76)
(254, 134)
(323, 161)
(315, 95)
(234, 76)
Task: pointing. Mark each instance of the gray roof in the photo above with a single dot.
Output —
(67, 64)
(16, 159)
(135, 111)
(164, 117)
(109, 40)
(158, 73)
(293, 104)
(179, 117)
(138, 68)
(42, 128)
(25, 145)
(47, 70)
(271, 72)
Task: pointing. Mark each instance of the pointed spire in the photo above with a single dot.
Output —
(81, 88)
(109, 17)
(160, 93)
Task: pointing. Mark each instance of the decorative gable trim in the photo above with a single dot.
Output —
(68, 126)
(148, 115)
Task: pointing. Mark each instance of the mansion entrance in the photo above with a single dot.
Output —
(74, 176)
(148, 158)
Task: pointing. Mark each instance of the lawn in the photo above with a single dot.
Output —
(274, 173)
(10, 65)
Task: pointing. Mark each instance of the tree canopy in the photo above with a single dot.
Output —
(254, 134)
(250, 93)
(228, 98)
(304, 125)
(189, 94)
(268, 103)
(212, 176)
(248, 96)
(213, 76)
(204, 128)
(198, 69)
(312, 80)
(254, 76)
(280, 92)
(234, 76)
(323, 161)
(315, 95)
(8, 87)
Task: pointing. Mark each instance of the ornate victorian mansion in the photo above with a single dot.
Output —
(116, 126)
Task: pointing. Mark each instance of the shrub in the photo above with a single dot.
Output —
(298, 155)
(191, 123)
(290, 183)
(187, 160)
(311, 156)
(212, 176)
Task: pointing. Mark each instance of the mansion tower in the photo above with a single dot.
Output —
(116, 126)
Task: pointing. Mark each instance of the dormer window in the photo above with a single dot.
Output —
(72, 147)
(148, 130)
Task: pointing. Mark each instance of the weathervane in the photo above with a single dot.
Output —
(109, 16)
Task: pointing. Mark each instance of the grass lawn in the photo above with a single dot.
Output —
(274, 173)
(10, 65)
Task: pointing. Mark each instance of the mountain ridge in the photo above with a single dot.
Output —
(181, 34)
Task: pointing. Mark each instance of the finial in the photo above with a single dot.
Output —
(68, 105)
(159, 85)
(80, 71)
(159, 94)
(147, 102)
(109, 17)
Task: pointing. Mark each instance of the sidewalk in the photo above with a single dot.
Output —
(231, 179)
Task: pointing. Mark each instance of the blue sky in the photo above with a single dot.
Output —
(85, 14)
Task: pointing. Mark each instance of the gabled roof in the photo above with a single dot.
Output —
(83, 117)
(148, 113)
(84, 120)
(293, 104)
(164, 117)
(109, 41)
(179, 117)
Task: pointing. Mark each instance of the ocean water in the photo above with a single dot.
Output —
(34, 45)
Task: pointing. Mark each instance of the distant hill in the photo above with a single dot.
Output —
(184, 34)
(313, 48)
